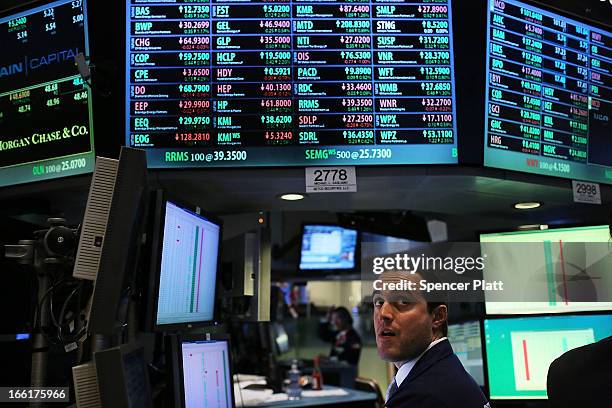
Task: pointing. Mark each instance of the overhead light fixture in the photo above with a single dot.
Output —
(530, 227)
(527, 205)
(292, 196)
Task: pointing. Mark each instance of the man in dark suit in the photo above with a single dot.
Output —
(411, 333)
(582, 377)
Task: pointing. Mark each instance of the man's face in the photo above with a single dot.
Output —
(404, 327)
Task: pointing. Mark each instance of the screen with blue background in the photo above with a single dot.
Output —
(251, 83)
(328, 247)
(520, 350)
(548, 95)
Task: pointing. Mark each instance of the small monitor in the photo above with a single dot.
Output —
(519, 351)
(328, 247)
(561, 270)
(467, 344)
(123, 379)
(205, 374)
(187, 269)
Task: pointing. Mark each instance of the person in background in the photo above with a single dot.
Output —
(338, 330)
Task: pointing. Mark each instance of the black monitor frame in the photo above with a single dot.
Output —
(120, 241)
(158, 201)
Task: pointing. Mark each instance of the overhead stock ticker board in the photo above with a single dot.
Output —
(281, 83)
(45, 110)
(549, 94)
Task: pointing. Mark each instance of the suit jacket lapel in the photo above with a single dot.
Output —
(431, 357)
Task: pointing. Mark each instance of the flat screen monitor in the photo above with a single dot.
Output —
(188, 267)
(548, 271)
(123, 377)
(328, 247)
(549, 93)
(45, 108)
(466, 340)
(206, 376)
(519, 351)
(291, 84)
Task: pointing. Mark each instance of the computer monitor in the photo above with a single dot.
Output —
(204, 374)
(184, 268)
(557, 270)
(110, 236)
(548, 82)
(123, 379)
(519, 350)
(467, 344)
(328, 247)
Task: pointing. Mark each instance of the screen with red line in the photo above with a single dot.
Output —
(188, 267)
(519, 351)
(207, 378)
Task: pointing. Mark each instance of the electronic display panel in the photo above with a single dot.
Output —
(257, 83)
(328, 247)
(519, 351)
(549, 94)
(545, 263)
(467, 344)
(45, 108)
(207, 376)
(188, 272)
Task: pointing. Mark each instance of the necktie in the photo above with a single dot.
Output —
(391, 390)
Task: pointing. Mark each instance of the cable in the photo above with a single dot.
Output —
(63, 309)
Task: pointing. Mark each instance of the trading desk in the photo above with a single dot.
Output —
(349, 398)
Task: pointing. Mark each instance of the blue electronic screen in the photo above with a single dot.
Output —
(328, 247)
(549, 94)
(253, 83)
(520, 350)
(188, 268)
(45, 108)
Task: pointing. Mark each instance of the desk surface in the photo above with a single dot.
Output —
(352, 397)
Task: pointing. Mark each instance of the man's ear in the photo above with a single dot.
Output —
(440, 316)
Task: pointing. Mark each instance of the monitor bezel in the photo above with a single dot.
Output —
(357, 254)
(159, 200)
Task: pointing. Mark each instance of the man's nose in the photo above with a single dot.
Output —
(386, 311)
